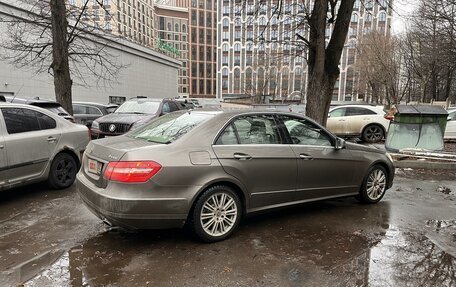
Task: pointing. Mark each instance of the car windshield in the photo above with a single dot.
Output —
(138, 107)
(170, 127)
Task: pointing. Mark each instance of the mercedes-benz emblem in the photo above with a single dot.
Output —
(112, 128)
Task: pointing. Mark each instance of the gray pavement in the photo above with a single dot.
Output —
(48, 238)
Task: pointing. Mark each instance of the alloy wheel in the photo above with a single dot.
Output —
(373, 134)
(376, 184)
(218, 214)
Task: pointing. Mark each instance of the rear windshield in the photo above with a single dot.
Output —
(138, 107)
(111, 109)
(170, 127)
(52, 107)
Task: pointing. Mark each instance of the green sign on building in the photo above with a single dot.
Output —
(167, 48)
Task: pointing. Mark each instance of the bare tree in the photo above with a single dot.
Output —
(430, 50)
(309, 25)
(64, 40)
(380, 66)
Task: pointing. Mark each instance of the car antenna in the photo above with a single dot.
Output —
(15, 95)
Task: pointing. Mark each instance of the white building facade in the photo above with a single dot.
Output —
(259, 55)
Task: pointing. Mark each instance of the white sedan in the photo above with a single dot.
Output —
(362, 121)
(450, 131)
(38, 145)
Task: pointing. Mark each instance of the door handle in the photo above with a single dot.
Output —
(2, 146)
(305, 156)
(242, 156)
(51, 139)
(341, 120)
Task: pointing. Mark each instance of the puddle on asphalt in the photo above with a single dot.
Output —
(398, 258)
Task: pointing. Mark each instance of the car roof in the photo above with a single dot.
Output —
(17, 105)
(370, 107)
(95, 104)
(30, 100)
(147, 99)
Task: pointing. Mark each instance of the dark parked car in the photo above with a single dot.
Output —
(85, 112)
(49, 105)
(132, 114)
(208, 169)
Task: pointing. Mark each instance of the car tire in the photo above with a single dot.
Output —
(374, 185)
(373, 133)
(63, 171)
(217, 206)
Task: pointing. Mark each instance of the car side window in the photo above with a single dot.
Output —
(166, 108)
(257, 129)
(355, 111)
(94, 111)
(228, 137)
(77, 109)
(45, 121)
(303, 132)
(173, 107)
(19, 120)
(337, 113)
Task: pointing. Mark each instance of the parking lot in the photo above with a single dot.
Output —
(48, 238)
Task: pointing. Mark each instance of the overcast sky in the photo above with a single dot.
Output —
(402, 9)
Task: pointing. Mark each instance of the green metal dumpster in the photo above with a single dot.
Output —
(417, 127)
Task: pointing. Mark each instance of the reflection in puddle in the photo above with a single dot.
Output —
(296, 249)
(401, 259)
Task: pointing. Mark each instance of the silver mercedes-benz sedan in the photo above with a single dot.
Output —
(209, 169)
(38, 145)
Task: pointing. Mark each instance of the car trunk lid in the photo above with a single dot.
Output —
(100, 152)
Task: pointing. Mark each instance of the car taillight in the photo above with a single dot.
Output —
(131, 171)
(390, 118)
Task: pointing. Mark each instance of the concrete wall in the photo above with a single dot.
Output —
(147, 73)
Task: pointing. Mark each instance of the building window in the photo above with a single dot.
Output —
(237, 80)
(226, 23)
(237, 60)
(225, 60)
(237, 47)
(226, 10)
(382, 17)
(297, 79)
(354, 18)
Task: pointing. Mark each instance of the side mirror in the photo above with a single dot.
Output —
(449, 119)
(329, 115)
(340, 143)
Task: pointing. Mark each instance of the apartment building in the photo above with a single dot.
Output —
(259, 56)
(132, 19)
(173, 36)
(203, 48)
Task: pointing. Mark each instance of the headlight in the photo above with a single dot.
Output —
(95, 125)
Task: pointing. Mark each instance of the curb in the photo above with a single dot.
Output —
(421, 164)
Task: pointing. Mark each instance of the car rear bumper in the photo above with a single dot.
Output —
(132, 213)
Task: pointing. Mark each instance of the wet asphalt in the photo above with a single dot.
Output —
(48, 238)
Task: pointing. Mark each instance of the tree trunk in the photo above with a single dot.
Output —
(60, 64)
(448, 82)
(323, 64)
